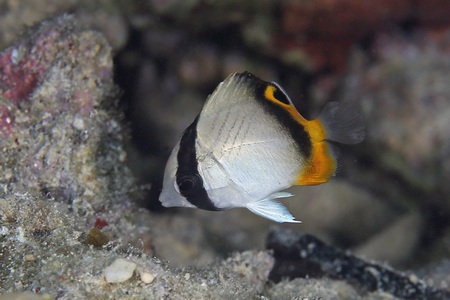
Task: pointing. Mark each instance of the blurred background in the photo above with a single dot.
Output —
(391, 199)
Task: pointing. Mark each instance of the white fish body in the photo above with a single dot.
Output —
(248, 144)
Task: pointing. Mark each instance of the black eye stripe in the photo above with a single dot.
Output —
(186, 185)
(189, 185)
(266, 90)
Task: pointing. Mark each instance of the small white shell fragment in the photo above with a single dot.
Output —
(78, 123)
(29, 257)
(119, 271)
(146, 277)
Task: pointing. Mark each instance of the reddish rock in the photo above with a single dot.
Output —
(18, 74)
(325, 30)
(100, 223)
(60, 130)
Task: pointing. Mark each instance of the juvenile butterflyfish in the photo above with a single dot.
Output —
(249, 143)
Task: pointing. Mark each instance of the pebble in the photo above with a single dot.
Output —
(30, 257)
(97, 238)
(119, 271)
(146, 277)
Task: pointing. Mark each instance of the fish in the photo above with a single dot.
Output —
(249, 144)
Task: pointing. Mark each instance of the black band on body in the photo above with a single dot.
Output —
(188, 179)
(296, 130)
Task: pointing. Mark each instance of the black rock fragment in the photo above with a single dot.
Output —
(303, 255)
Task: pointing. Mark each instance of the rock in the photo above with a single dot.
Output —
(396, 243)
(301, 288)
(97, 238)
(437, 274)
(107, 18)
(303, 255)
(199, 66)
(328, 31)
(405, 98)
(339, 212)
(65, 267)
(180, 240)
(60, 130)
(119, 271)
(252, 267)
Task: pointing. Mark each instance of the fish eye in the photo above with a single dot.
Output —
(189, 184)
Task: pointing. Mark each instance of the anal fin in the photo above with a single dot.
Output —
(273, 210)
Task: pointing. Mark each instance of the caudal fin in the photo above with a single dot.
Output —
(342, 123)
